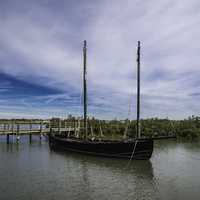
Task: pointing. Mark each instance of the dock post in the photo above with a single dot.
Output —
(40, 127)
(74, 126)
(59, 126)
(30, 135)
(30, 126)
(4, 127)
(41, 130)
(17, 133)
(18, 129)
(12, 127)
(8, 138)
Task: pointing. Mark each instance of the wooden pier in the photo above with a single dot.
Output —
(33, 127)
(23, 127)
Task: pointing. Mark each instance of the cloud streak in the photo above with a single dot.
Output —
(41, 43)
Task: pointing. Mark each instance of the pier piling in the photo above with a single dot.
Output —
(8, 138)
(18, 129)
(30, 137)
(12, 127)
(4, 127)
(41, 127)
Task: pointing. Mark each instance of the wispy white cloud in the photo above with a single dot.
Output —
(49, 51)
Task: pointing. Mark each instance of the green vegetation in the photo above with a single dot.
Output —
(153, 127)
(187, 128)
(117, 129)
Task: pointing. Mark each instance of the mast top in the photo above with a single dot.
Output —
(85, 44)
(138, 51)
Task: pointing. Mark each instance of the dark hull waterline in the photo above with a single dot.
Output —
(140, 149)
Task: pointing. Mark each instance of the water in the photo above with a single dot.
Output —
(33, 171)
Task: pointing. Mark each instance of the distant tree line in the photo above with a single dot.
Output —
(152, 127)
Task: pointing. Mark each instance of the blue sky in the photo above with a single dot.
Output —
(41, 57)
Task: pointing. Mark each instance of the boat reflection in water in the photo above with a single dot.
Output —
(104, 178)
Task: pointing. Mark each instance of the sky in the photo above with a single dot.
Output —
(41, 61)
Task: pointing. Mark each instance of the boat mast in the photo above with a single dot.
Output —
(85, 87)
(138, 90)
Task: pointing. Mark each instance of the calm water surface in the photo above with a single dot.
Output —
(33, 171)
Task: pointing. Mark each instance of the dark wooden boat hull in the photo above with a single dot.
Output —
(140, 149)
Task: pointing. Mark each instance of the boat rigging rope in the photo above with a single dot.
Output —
(91, 128)
(79, 126)
(132, 153)
(101, 132)
(133, 150)
(128, 117)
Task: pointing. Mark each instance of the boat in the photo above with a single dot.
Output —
(137, 148)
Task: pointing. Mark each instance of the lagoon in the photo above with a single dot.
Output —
(33, 171)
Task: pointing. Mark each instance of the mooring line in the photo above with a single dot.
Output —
(132, 154)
